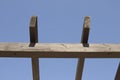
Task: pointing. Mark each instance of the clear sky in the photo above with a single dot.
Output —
(60, 21)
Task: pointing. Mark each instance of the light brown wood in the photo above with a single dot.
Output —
(54, 50)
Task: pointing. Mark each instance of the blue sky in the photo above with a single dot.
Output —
(60, 21)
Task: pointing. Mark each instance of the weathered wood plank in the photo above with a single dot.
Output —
(84, 41)
(117, 77)
(53, 50)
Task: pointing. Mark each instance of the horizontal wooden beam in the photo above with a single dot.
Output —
(54, 50)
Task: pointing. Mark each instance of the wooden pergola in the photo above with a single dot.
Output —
(35, 50)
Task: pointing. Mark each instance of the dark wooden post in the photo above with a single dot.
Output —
(33, 31)
(117, 77)
(33, 40)
(84, 41)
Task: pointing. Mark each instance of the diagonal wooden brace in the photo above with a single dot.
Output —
(117, 77)
(84, 41)
(34, 39)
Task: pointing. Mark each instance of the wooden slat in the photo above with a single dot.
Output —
(84, 41)
(52, 50)
(35, 68)
(33, 41)
(33, 30)
(80, 67)
(86, 29)
(117, 77)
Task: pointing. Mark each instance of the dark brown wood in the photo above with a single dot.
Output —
(35, 68)
(117, 77)
(33, 40)
(80, 67)
(33, 30)
(84, 41)
(86, 29)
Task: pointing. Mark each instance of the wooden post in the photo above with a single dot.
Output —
(86, 30)
(35, 68)
(84, 41)
(80, 67)
(33, 31)
(33, 40)
(117, 77)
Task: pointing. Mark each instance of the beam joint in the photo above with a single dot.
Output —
(33, 40)
(84, 41)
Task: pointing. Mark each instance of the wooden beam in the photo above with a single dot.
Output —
(54, 50)
(34, 39)
(117, 77)
(84, 41)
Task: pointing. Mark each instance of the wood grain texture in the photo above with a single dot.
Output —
(54, 50)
